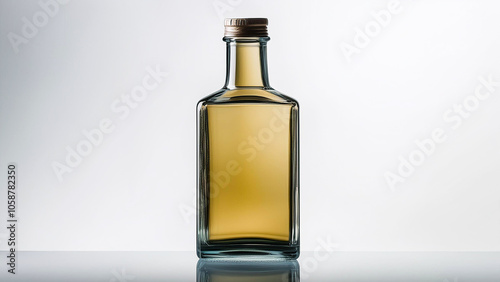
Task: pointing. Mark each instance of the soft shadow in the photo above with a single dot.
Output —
(246, 271)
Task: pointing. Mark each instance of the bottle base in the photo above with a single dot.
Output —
(237, 251)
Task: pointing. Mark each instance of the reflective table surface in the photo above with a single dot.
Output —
(311, 266)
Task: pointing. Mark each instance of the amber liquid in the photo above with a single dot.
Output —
(249, 168)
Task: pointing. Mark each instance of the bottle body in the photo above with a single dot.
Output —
(248, 185)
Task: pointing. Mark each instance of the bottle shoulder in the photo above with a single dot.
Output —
(247, 95)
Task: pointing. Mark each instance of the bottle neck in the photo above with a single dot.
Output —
(246, 64)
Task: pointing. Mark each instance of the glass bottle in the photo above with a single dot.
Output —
(247, 157)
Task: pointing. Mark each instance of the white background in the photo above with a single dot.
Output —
(359, 113)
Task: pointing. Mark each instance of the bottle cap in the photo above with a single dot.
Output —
(245, 27)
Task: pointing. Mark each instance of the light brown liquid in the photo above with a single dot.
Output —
(249, 171)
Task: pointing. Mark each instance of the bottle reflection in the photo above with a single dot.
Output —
(247, 271)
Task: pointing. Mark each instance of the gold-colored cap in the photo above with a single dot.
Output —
(245, 27)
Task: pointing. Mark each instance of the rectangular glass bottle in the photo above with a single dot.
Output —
(247, 157)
